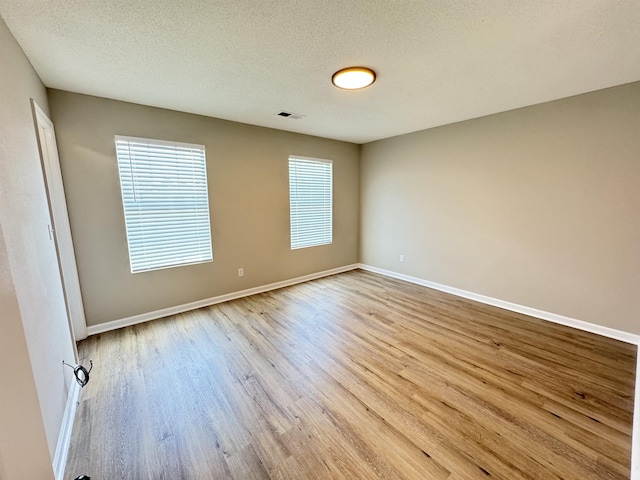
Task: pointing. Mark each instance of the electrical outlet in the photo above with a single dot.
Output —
(241, 272)
(402, 258)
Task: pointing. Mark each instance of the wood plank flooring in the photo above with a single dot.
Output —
(354, 376)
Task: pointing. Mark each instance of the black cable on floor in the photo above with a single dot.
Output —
(81, 373)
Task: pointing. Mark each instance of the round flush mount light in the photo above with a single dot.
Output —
(353, 78)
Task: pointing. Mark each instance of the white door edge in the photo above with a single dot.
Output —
(60, 218)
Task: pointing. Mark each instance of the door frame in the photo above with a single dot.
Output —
(60, 229)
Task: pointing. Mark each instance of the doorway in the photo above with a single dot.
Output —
(60, 230)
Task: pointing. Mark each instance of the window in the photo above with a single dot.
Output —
(310, 200)
(166, 204)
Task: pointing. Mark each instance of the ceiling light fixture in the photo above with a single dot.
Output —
(353, 78)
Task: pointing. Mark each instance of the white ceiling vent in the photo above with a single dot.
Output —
(293, 116)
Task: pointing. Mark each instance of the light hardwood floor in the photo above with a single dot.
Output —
(354, 376)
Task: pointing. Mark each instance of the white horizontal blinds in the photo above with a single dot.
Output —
(166, 204)
(310, 198)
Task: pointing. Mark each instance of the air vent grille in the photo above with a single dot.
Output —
(293, 116)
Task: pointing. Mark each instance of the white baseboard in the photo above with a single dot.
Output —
(165, 312)
(64, 438)
(635, 440)
(514, 307)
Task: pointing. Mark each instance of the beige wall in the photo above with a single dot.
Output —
(34, 336)
(23, 444)
(248, 192)
(539, 206)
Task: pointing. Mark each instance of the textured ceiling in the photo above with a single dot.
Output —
(437, 61)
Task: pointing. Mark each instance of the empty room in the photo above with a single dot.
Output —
(319, 240)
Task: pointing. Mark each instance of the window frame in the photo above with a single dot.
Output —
(299, 244)
(140, 264)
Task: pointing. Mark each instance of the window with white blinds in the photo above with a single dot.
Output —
(311, 201)
(166, 203)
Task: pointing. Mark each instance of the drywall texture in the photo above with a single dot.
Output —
(35, 332)
(23, 444)
(247, 170)
(537, 206)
